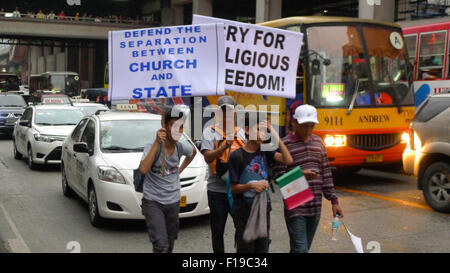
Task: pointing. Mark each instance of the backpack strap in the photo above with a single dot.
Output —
(157, 155)
(218, 130)
(179, 147)
(218, 143)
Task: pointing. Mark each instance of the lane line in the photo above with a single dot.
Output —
(403, 202)
(17, 245)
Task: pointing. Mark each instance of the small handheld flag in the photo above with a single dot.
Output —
(294, 188)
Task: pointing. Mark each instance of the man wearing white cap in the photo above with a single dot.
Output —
(309, 153)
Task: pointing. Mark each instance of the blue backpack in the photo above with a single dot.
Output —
(230, 195)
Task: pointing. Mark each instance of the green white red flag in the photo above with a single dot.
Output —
(294, 188)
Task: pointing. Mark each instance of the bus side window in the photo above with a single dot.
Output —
(448, 59)
(411, 45)
(431, 55)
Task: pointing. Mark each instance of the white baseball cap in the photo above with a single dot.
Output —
(306, 113)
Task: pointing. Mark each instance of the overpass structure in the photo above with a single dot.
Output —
(33, 27)
(33, 46)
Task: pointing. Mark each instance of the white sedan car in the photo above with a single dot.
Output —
(40, 132)
(98, 160)
(89, 108)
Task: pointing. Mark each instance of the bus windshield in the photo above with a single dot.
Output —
(69, 84)
(358, 66)
(9, 83)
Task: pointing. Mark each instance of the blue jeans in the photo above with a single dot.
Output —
(301, 232)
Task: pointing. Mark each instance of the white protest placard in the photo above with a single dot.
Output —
(259, 60)
(166, 62)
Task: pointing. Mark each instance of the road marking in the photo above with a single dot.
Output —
(17, 245)
(403, 202)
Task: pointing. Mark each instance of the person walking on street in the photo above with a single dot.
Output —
(308, 152)
(161, 200)
(216, 148)
(248, 170)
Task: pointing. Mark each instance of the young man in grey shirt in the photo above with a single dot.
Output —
(161, 201)
(216, 147)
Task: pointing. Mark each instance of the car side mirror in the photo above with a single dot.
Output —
(81, 147)
(198, 144)
(25, 123)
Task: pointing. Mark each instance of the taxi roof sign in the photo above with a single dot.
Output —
(126, 107)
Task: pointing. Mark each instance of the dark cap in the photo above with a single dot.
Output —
(226, 101)
(175, 112)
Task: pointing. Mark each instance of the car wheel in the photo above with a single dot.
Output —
(67, 190)
(94, 216)
(30, 161)
(436, 188)
(17, 155)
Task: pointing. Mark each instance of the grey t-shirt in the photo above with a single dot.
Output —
(165, 190)
(210, 137)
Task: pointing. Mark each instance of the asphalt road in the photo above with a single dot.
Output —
(385, 209)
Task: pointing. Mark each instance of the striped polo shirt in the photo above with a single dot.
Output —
(310, 155)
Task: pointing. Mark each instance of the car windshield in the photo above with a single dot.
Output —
(366, 66)
(115, 135)
(58, 117)
(12, 101)
(91, 109)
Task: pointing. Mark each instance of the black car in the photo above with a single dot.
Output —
(11, 109)
(99, 95)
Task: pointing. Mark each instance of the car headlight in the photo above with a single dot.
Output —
(335, 140)
(207, 174)
(110, 174)
(42, 138)
(47, 138)
(417, 142)
(405, 138)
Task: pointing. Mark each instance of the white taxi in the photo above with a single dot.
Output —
(41, 130)
(98, 160)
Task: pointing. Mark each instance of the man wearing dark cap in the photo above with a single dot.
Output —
(219, 140)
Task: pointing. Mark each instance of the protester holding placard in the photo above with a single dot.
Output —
(258, 60)
(248, 170)
(161, 200)
(309, 153)
(218, 142)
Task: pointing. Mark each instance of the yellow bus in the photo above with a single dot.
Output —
(357, 74)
